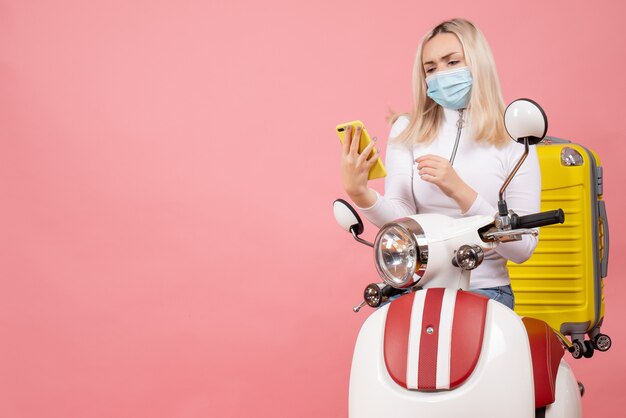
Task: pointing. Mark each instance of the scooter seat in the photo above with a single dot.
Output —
(546, 351)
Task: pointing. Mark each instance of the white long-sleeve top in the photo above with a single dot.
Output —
(483, 167)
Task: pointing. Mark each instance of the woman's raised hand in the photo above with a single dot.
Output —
(438, 171)
(355, 168)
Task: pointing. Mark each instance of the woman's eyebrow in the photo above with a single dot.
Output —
(445, 57)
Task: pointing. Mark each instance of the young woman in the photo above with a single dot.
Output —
(451, 154)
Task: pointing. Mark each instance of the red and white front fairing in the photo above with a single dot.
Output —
(440, 369)
(446, 353)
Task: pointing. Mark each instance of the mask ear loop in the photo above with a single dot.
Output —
(459, 125)
(413, 170)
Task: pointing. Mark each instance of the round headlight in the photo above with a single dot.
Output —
(397, 253)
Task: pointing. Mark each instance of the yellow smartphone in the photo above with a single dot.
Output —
(378, 169)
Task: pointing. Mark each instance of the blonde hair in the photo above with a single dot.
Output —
(486, 106)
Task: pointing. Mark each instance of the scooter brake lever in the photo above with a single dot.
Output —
(511, 234)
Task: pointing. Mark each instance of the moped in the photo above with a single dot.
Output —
(435, 349)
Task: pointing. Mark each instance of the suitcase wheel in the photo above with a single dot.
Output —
(602, 342)
(577, 349)
(588, 349)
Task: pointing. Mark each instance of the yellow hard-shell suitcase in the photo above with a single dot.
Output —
(562, 283)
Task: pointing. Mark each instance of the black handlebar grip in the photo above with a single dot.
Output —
(390, 291)
(538, 219)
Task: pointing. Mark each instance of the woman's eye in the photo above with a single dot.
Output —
(454, 62)
(429, 70)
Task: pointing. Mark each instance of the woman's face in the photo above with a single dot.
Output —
(441, 53)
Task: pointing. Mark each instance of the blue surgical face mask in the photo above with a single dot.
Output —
(451, 89)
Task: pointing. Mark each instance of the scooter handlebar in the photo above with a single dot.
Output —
(536, 220)
(389, 291)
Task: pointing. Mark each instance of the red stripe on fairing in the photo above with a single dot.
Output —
(397, 326)
(427, 374)
(468, 328)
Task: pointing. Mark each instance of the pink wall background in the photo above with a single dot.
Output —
(167, 170)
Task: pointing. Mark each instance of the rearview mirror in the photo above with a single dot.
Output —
(525, 122)
(348, 219)
(525, 119)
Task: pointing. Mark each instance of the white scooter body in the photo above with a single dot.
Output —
(500, 385)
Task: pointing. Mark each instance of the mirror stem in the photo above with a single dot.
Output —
(362, 241)
(502, 209)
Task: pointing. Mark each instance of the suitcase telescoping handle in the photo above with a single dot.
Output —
(538, 219)
(604, 264)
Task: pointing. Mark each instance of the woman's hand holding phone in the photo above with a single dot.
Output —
(355, 167)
